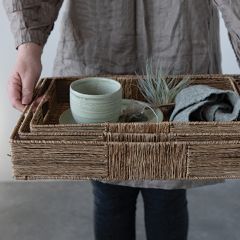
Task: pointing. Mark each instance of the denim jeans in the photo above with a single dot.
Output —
(165, 212)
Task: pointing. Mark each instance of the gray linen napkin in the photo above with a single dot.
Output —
(205, 103)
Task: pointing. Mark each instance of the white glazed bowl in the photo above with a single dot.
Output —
(95, 100)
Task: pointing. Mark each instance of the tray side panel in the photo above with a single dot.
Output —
(216, 160)
(49, 160)
(136, 161)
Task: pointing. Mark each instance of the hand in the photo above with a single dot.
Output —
(25, 74)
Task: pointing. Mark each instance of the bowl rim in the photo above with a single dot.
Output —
(84, 95)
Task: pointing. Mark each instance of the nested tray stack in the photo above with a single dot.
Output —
(44, 149)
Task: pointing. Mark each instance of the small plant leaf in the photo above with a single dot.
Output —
(157, 88)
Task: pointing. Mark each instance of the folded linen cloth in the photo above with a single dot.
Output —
(205, 103)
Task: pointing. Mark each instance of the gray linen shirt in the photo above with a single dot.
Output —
(117, 36)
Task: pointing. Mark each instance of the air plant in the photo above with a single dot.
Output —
(158, 88)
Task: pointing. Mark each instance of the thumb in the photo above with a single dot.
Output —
(27, 90)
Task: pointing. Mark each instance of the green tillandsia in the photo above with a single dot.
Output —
(158, 88)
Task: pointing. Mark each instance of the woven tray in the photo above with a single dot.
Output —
(44, 149)
(44, 123)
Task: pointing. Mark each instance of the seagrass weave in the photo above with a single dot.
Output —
(44, 149)
(237, 82)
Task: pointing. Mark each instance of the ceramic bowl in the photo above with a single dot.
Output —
(95, 100)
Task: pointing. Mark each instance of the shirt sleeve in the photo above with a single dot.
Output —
(230, 10)
(32, 20)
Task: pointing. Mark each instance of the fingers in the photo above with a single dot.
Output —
(21, 91)
(14, 92)
(27, 90)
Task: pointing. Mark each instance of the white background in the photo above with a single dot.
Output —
(9, 116)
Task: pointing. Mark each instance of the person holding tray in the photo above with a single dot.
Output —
(117, 37)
